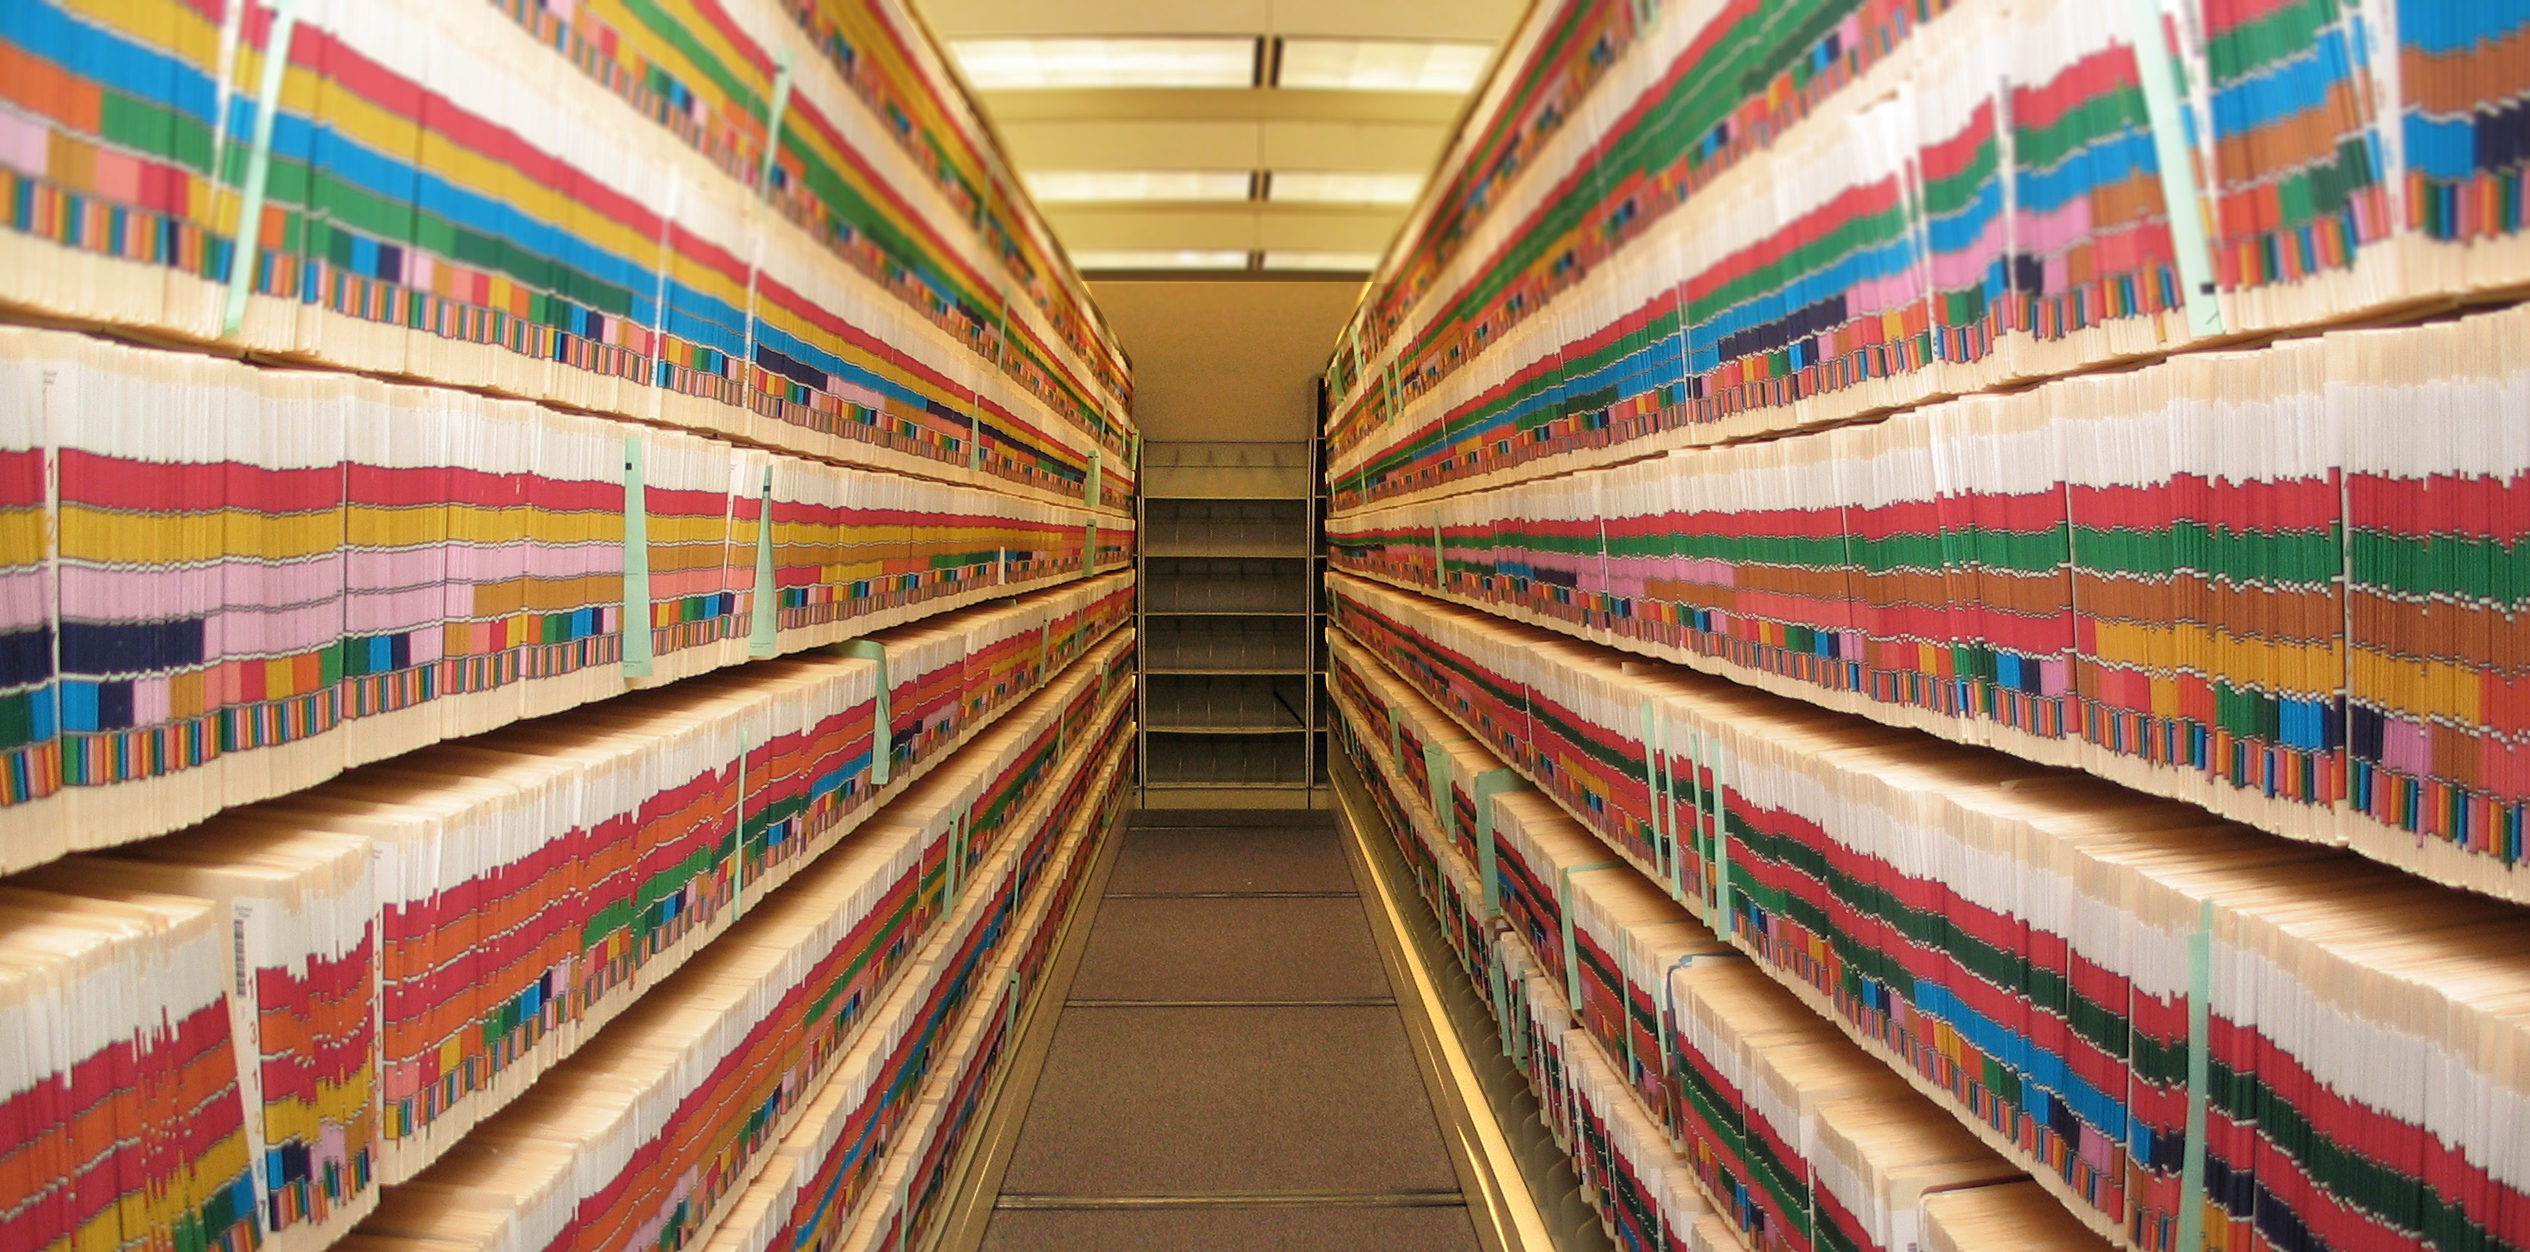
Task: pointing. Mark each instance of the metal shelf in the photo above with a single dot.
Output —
(1294, 729)
(1226, 645)
(1219, 760)
(1234, 673)
(1226, 527)
(1228, 471)
(1225, 702)
(1231, 546)
(1162, 552)
(1225, 585)
(1228, 786)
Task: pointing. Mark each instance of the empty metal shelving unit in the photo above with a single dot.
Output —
(1229, 621)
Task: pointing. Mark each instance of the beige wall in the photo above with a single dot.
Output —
(1234, 360)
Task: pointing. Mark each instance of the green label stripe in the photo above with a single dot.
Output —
(2117, 112)
(1852, 235)
(2288, 31)
(2483, 569)
(2256, 558)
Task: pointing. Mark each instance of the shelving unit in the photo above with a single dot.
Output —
(1230, 636)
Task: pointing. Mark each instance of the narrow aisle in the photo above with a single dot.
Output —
(1229, 1068)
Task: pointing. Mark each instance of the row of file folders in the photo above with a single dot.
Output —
(1758, 1128)
(221, 583)
(1678, 223)
(2282, 583)
(574, 984)
(771, 222)
(1852, 987)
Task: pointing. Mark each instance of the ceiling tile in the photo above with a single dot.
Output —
(1372, 147)
(1037, 64)
(1323, 262)
(1153, 145)
(957, 18)
(1318, 228)
(1101, 186)
(1253, 104)
(1325, 228)
(1397, 187)
(1448, 69)
(1485, 20)
(1095, 228)
(1160, 259)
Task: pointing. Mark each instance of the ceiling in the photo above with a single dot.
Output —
(1198, 136)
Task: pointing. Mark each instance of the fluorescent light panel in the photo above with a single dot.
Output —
(1327, 262)
(1382, 65)
(1159, 259)
(1028, 64)
(1330, 187)
(1100, 186)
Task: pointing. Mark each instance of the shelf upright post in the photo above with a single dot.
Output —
(1141, 641)
(1313, 533)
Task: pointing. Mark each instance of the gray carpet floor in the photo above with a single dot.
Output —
(1230, 1070)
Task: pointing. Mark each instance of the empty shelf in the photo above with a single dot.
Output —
(1175, 585)
(1255, 645)
(1227, 761)
(1226, 528)
(1224, 703)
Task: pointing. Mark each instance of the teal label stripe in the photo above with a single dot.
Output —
(243, 258)
(768, 598)
(638, 656)
(2200, 1031)
(882, 729)
(2155, 66)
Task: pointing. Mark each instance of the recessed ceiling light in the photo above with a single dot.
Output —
(1329, 262)
(1328, 187)
(1382, 65)
(1023, 64)
(1159, 259)
(1092, 186)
